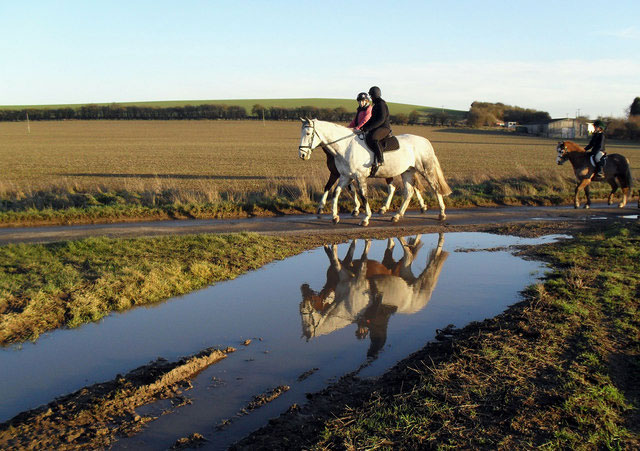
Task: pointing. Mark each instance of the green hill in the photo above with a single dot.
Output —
(348, 104)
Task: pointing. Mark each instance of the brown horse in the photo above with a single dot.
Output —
(617, 172)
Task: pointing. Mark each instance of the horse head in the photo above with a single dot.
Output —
(309, 138)
(562, 151)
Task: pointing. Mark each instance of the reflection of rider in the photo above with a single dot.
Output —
(596, 145)
(375, 319)
(378, 127)
(363, 114)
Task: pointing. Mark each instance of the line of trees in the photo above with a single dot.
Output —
(210, 111)
(119, 112)
(488, 114)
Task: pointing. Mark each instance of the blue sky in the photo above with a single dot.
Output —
(560, 56)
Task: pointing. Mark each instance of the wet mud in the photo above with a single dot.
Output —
(95, 416)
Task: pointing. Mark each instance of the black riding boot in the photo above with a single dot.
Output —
(377, 150)
(599, 171)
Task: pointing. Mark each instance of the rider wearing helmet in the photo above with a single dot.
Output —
(363, 114)
(378, 127)
(596, 145)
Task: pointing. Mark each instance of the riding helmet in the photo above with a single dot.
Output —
(374, 92)
(598, 123)
(362, 96)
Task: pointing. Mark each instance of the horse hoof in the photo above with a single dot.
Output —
(364, 223)
(396, 218)
(576, 206)
(423, 210)
(621, 205)
(586, 207)
(382, 211)
(336, 219)
(442, 216)
(355, 213)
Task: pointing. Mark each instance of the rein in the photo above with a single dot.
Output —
(315, 133)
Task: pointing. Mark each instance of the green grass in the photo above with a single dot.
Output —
(44, 287)
(348, 104)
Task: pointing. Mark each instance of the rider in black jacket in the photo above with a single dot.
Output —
(596, 145)
(378, 127)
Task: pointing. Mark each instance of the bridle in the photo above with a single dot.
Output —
(314, 133)
(562, 157)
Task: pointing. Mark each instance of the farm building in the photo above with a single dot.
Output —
(566, 128)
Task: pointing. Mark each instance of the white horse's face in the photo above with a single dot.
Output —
(308, 139)
(562, 151)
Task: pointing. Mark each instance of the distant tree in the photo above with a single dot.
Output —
(634, 109)
(414, 117)
(400, 118)
(258, 110)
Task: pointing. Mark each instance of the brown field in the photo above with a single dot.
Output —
(205, 159)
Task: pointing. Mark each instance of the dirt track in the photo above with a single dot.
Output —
(311, 224)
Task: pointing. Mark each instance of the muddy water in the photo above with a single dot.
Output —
(320, 311)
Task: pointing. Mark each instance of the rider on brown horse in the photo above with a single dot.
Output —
(596, 146)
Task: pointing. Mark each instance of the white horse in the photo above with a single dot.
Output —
(334, 175)
(353, 161)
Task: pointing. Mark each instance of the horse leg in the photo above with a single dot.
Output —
(583, 183)
(356, 208)
(587, 192)
(423, 206)
(429, 178)
(626, 190)
(614, 188)
(407, 180)
(334, 208)
(327, 187)
(361, 187)
(390, 190)
(442, 216)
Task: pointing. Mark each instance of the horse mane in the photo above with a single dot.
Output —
(338, 126)
(573, 147)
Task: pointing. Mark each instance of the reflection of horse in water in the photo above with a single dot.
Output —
(367, 292)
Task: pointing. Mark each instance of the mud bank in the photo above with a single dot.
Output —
(95, 416)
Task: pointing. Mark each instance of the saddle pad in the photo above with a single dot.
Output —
(390, 143)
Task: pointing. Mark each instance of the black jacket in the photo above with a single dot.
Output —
(379, 116)
(596, 144)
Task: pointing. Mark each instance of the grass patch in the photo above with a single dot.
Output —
(44, 287)
(558, 370)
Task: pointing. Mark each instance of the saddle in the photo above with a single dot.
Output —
(593, 161)
(390, 143)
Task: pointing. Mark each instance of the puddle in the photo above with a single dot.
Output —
(320, 314)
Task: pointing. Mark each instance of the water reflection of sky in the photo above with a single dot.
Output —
(265, 304)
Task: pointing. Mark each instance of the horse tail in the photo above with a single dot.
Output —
(441, 185)
(626, 179)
